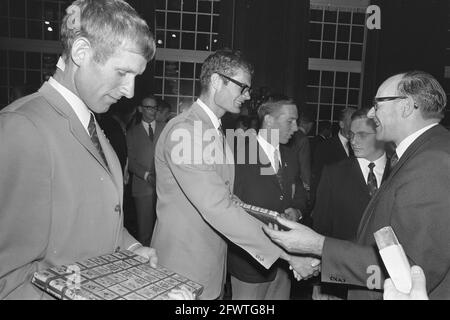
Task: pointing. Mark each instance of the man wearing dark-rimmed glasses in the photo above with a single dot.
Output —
(244, 87)
(414, 200)
(195, 211)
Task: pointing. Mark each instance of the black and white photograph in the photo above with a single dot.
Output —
(245, 154)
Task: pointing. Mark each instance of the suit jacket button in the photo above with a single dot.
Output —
(117, 208)
(281, 197)
(227, 183)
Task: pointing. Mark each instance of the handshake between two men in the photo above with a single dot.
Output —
(303, 245)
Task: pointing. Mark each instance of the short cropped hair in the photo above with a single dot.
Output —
(427, 93)
(272, 107)
(108, 25)
(362, 114)
(346, 113)
(226, 62)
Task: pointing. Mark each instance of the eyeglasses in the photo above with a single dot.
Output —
(148, 108)
(377, 100)
(359, 135)
(244, 88)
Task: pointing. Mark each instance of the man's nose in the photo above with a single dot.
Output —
(127, 89)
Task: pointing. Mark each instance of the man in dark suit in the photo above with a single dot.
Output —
(346, 188)
(300, 146)
(332, 150)
(141, 142)
(279, 189)
(60, 180)
(413, 200)
(324, 133)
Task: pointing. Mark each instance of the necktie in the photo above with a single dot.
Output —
(372, 180)
(222, 136)
(278, 167)
(94, 138)
(150, 131)
(394, 160)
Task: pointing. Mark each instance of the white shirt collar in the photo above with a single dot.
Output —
(269, 149)
(78, 106)
(344, 142)
(401, 148)
(215, 121)
(61, 65)
(380, 165)
(146, 125)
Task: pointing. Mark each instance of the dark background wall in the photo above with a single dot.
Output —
(413, 36)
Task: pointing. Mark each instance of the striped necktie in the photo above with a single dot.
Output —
(94, 138)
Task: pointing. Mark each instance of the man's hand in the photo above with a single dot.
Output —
(292, 214)
(181, 294)
(418, 290)
(148, 253)
(304, 267)
(300, 239)
(150, 179)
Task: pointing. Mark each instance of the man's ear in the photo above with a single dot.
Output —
(408, 106)
(268, 120)
(81, 49)
(216, 81)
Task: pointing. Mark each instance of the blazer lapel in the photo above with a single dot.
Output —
(62, 107)
(387, 171)
(226, 160)
(115, 169)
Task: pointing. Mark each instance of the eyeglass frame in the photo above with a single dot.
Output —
(352, 135)
(150, 107)
(243, 86)
(384, 99)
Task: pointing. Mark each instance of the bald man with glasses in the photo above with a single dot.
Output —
(414, 200)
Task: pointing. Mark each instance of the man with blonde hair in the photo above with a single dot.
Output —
(60, 180)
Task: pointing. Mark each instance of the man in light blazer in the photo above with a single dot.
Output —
(414, 199)
(141, 142)
(60, 180)
(194, 182)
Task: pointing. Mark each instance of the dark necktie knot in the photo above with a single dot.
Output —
(371, 166)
